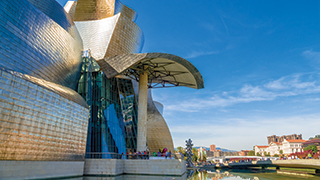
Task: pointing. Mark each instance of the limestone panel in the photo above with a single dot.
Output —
(39, 169)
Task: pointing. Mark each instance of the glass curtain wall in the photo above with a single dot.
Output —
(106, 130)
(130, 112)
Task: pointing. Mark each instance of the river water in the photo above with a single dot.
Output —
(209, 175)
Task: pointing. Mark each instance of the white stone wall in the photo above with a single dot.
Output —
(291, 147)
(39, 169)
(103, 167)
(274, 148)
(156, 166)
(120, 166)
(260, 150)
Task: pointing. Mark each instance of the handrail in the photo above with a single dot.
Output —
(113, 155)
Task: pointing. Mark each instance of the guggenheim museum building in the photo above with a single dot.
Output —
(75, 85)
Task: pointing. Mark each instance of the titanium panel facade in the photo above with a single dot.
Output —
(32, 43)
(110, 36)
(37, 122)
(57, 13)
(126, 38)
(158, 133)
(87, 10)
(96, 35)
(162, 68)
(124, 10)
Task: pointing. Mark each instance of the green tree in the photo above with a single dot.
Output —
(313, 148)
(204, 157)
(251, 153)
(265, 153)
(315, 137)
(195, 154)
(276, 155)
(268, 154)
(281, 151)
(258, 154)
(180, 149)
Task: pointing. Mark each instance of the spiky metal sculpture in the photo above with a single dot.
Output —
(189, 153)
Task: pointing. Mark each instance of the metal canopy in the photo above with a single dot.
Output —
(164, 70)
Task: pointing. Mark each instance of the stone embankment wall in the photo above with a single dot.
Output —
(40, 169)
(298, 163)
(119, 166)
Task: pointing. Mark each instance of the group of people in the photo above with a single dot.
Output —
(138, 155)
(145, 154)
(163, 153)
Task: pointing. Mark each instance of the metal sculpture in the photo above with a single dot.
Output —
(189, 152)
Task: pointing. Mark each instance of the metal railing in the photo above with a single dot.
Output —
(113, 155)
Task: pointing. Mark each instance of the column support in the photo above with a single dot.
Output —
(142, 111)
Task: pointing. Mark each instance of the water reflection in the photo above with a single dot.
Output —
(132, 177)
(208, 175)
(245, 174)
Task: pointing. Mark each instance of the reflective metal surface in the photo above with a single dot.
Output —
(96, 35)
(110, 36)
(38, 121)
(163, 69)
(57, 13)
(33, 43)
(126, 38)
(124, 10)
(87, 10)
(158, 133)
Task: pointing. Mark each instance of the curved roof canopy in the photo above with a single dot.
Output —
(164, 70)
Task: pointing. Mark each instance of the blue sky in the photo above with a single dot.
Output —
(260, 61)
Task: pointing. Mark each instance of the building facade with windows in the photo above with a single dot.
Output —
(292, 146)
(260, 149)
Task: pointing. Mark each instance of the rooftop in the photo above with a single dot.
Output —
(296, 140)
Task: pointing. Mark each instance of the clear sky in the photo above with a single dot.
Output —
(260, 61)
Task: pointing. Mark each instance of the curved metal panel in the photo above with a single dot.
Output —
(158, 133)
(159, 106)
(40, 120)
(126, 38)
(96, 35)
(55, 11)
(163, 69)
(63, 91)
(32, 43)
(88, 10)
(124, 10)
(110, 36)
(70, 8)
